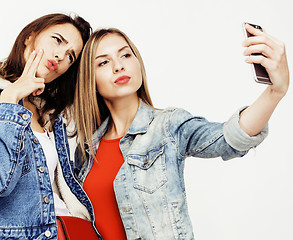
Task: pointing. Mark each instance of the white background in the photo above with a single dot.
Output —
(193, 56)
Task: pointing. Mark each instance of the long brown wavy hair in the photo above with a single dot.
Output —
(58, 94)
(90, 109)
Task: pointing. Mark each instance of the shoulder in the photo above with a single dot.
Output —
(174, 114)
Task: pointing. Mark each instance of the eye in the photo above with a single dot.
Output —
(103, 63)
(70, 57)
(126, 55)
(58, 40)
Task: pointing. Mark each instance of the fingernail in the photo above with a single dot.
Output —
(34, 52)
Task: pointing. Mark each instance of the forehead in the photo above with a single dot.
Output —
(111, 42)
(69, 32)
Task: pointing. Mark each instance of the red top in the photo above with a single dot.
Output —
(99, 187)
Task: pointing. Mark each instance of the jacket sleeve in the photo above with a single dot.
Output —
(197, 137)
(14, 119)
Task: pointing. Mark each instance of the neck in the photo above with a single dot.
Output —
(35, 126)
(122, 113)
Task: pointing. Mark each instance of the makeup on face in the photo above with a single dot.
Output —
(118, 71)
(62, 44)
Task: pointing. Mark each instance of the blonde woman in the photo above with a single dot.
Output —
(130, 157)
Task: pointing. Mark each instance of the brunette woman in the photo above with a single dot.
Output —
(37, 85)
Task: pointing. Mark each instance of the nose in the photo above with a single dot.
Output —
(59, 55)
(118, 66)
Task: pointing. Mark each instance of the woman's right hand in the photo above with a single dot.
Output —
(27, 83)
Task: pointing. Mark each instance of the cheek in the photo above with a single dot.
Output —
(102, 75)
(99, 81)
(63, 69)
(138, 72)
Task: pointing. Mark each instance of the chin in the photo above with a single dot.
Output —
(49, 80)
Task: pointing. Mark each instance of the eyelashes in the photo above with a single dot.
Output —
(58, 40)
(69, 55)
(126, 55)
(103, 63)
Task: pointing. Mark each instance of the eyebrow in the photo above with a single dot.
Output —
(121, 49)
(66, 42)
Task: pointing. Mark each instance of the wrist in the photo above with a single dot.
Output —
(277, 94)
(8, 97)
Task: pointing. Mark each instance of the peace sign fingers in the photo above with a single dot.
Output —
(33, 62)
(27, 83)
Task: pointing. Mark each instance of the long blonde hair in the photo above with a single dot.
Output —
(90, 109)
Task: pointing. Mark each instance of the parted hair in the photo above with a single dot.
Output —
(58, 94)
(90, 109)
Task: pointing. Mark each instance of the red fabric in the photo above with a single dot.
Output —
(99, 187)
(74, 228)
(60, 231)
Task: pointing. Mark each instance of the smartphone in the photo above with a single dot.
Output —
(259, 72)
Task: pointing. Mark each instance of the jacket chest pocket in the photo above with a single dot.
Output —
(148, 170)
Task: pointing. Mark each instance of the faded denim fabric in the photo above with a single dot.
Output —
(149, 186)
(26, 197)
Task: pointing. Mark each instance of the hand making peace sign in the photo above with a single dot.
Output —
(28, 83)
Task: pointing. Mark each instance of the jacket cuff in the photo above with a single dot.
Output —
(237, 138)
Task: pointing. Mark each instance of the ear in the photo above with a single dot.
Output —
(28, 40)
(28, 43)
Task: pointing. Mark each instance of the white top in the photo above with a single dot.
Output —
(51, 159)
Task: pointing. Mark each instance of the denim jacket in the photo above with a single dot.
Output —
(149, 186)
(26, 195)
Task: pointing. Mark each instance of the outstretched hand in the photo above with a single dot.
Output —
(27, 83)
(273, 57)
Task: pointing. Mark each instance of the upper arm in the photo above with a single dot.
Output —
(197, 137)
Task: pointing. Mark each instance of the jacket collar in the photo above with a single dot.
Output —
(140, 124)
(142, 120)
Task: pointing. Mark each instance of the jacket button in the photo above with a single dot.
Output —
(25, 116)
(46, 199)
(48, 234)
(35, 141)
(41, 169)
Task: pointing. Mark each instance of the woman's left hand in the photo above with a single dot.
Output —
(273, 58)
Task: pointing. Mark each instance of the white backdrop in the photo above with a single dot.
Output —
(193, 56)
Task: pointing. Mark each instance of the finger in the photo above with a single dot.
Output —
(29, 62)
(36, 62)
(262, 38)
(252, 30)
(40, 90)
(259, 49)
(259, 59)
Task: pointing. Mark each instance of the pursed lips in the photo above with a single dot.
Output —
(52, 65)
(122, 80)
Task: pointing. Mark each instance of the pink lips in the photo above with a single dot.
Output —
(52, 65)
(122, 80)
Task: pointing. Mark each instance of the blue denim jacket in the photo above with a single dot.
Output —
(26, 197)
(149, 186)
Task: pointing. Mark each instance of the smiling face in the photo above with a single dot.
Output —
(117, 70)
(61, 44)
